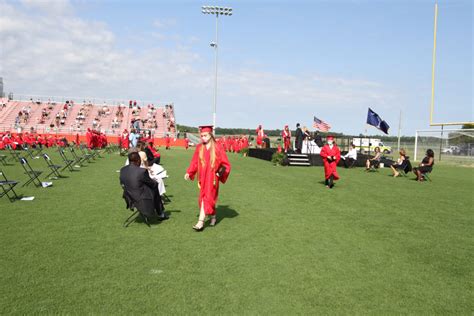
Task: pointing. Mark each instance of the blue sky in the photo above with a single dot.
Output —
(280, 62)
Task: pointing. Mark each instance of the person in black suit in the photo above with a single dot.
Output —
(141, 189)
(318, 140)
(298, 139)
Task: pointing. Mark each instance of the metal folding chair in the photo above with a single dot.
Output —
(67, 162)
(135, 212)
(28, 151)
(405, 167)
(15, 155)
(3, 160)
(32, 174)
(38, 150)
(54, 168)
(426, 176)
(78, 160)
(7, 186)
(87, 155)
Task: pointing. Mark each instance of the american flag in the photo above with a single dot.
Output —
(321, 125)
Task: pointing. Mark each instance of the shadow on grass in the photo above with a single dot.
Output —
(224, 211)
(172, 211)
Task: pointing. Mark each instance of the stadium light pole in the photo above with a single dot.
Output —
(216, 11)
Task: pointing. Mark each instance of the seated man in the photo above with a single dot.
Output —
(350, 157)
(142, 189)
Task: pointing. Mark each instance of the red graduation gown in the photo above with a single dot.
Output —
(208, 181)
(89, 139)
(330, 167)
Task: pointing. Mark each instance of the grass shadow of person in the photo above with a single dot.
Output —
(224, 211)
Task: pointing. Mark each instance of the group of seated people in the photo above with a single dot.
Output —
(403, 164)
(117, 121)
(96, 123)
(23, 115)
(82, 115)
(151, 123)
(168, 115)
(104, 111)
(132, 104)
(142, 179)
(45, 112)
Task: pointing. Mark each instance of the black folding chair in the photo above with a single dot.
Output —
(28, 151)
(98, 153)
(109, 149)
(67, 162)
(426, 176)
(15, 155)
(3, 160)
(32, 174)
(38, 150)
(406, 167)
(7, 186)
(54, 168)
(87, 156)
(78, 160)
(374, 166)
(130, 204)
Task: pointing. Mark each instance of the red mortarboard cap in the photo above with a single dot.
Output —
(205, 128)
(330, 138)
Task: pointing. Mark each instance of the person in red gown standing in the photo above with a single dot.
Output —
(124, 138)
(211, 165)
(89, 138)
(167, 141)
(286, 135)
(260, 135)
(331, 156)
(186, 143)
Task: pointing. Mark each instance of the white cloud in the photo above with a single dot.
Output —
(164, 23)
(77, 57)
(52, 7)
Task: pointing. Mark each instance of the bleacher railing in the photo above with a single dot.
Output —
(80, 100)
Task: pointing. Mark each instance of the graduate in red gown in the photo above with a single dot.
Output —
(286, 136)
(260, 135)
(331, 156)
(89, 138)
(186, 143)
(167, 141)
(124, 138)
(211, 165)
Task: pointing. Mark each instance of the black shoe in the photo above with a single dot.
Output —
(163, 217)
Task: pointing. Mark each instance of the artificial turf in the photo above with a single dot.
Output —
(284, 244)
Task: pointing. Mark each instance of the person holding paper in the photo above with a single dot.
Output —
(350, 157)
(211, 165)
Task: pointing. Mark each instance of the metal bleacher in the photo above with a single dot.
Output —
(10, 112)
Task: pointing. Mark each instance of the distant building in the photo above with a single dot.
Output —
(2, 94)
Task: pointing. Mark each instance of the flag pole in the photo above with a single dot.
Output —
(399, 129)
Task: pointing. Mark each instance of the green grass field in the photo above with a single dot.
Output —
(284, 244)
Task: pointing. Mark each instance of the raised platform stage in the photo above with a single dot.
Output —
(307, 159)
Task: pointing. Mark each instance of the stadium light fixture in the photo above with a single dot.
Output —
(216, 11)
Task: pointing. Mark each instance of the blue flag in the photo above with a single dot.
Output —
(375, 120)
